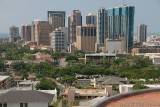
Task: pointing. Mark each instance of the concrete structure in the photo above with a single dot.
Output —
(143, 50)
(56, 19)
(74, 20)
(97, 57)
(41, 30)
(86, 38)
(30, 98)
(72, 93)
(91, 19)
(143, 98)
(26, 33)
(14, 33)
(142, 33)
(58, 40)
(115, 46)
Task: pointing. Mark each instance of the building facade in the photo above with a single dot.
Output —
(101, 26)
(121, 24)
(14, 33)
(58, 40)
(91, 19)
(41, 30)
(56, 19)
(26, 32)
(142, 33)
(86, 38)
(74, 20)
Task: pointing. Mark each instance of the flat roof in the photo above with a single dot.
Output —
(101, 54)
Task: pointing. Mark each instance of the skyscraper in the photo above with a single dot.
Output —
(91, 19)
(74, 20)
(121, 25)
(14, 33)
(142, 33)
(26, 32)
(41, 30)
(101, 26)
(56, 19)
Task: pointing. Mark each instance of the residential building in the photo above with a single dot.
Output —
(86, 38)
(6, 82)
(27, 98)
(120, 25)
(14, 33)
(91, 19)
(142, 33)
(26, 33)
(148, 49)
(41, 30)
(74, 20)
(56, 19)
(58, 40)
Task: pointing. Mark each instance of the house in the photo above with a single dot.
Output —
(29, 98)
(5, 82)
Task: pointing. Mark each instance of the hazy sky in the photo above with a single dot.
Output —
(18, 12)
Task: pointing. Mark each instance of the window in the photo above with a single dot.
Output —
(23, 104)
(3, 105)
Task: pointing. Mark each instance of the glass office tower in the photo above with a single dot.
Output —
(121, 24)
(101, 26)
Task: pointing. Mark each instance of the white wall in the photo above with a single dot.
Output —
(39, 104)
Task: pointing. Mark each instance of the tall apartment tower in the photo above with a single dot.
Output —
(14, 33)
(40, 32)
(86, 38)
(120, 25)
(26, 32)
(58, 40)
(74, 20)
(101, 26)
(56, 19)
(142, 33)
(91, 19)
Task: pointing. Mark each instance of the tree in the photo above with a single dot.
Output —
(46, 84)
(139, 86)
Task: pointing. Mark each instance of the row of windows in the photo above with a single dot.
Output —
(21, 105)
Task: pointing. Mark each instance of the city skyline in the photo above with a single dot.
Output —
(19, 12)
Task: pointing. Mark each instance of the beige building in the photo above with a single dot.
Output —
(41, 32)
(86, 38)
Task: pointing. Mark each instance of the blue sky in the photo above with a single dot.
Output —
(18, 12)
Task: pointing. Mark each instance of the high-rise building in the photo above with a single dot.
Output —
(142, 33)
(74, 20)
(26, 32)
(14, 33)
(40, 32)
(101, 26)
(58, 40)
(120, 25)
(56, 19)
(86, 38)
(91, 19)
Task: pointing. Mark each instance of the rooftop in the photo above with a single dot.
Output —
(3, 77)
(18, 96)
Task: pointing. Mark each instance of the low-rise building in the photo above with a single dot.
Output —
(96, 57)
(6, 82)
(29, 98)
